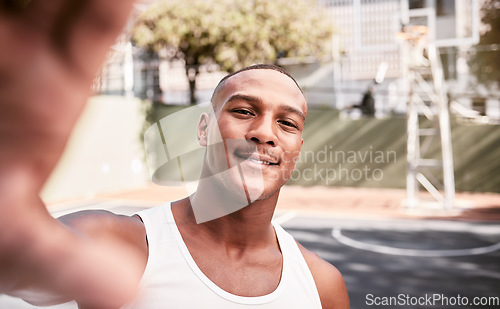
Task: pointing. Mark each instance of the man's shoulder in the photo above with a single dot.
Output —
(95, 224)
(328, 279)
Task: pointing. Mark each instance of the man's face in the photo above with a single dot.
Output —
(260, 116)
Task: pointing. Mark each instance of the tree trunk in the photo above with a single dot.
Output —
(191, 73)
(192, 88)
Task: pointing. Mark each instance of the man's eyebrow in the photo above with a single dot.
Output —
(243, 97)
(294, 110)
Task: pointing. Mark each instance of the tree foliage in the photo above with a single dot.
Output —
(484, 63)
(233, 33)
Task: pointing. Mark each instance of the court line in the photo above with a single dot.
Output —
(337, 234)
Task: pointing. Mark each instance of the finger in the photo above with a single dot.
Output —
(51, 51)
(13, 6)
(79, 31)
(85, 31)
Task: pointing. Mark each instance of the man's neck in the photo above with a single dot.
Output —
(245, 228)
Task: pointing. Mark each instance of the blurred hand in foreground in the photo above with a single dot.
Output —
(50, 52)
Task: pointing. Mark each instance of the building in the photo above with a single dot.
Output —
(365, 37)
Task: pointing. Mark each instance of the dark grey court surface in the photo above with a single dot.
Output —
(390, 263)
(409, 263)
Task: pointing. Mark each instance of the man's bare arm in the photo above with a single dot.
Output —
(329, 282)
(50, 52)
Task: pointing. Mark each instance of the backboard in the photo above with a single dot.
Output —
(450, 22)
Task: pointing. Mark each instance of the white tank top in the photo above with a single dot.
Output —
(173, 280)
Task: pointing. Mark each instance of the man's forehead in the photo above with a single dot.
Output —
(254, 81)
(264, 75)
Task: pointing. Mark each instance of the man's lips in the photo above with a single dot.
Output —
(258, 158)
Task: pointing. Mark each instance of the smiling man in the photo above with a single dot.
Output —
(253, 138)
(218, 248)
(231, 258)
(240, 258)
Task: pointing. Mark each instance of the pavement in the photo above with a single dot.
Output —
(390, 256)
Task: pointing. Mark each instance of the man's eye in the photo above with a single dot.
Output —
(288, 124)
(242, 112)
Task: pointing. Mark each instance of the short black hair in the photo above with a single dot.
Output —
(252, 67)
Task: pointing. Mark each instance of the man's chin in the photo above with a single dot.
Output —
(260, 190)
(266, 195)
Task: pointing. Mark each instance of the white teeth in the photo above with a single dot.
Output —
(259, 161)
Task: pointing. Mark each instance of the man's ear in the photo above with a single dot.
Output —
(202, 130)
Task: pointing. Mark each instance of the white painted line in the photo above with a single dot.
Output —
(337, 234)
(289, 215)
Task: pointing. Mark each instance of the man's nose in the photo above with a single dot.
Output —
(262, 131)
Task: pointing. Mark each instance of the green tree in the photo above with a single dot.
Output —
(484, 62)
(232, 33)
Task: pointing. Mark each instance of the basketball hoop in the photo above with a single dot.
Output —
(413, 33)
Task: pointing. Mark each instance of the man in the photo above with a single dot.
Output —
(239, 258)
(96, 257)
(367, 105)
(368, 102)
